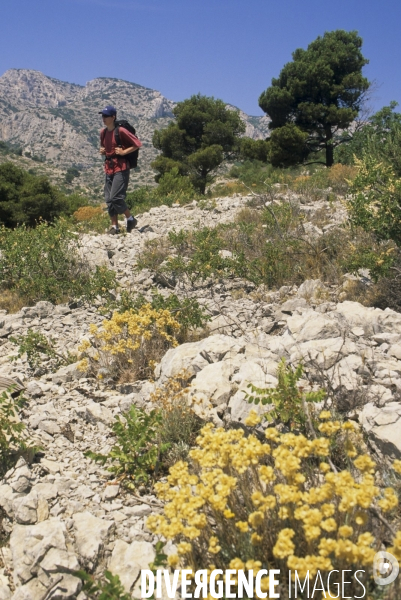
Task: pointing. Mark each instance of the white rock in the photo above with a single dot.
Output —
(127, 561)
(95, 412)
(312, 326)
(5, 592)
(383, 426)
(213, 381)
(29, 545)
(90, 534)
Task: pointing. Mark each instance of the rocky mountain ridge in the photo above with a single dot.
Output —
(58, 122)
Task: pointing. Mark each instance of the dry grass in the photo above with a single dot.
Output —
(11, 301)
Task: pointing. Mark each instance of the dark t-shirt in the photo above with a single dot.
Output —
(117, 163)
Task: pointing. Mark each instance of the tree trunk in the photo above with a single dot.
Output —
(329, 147)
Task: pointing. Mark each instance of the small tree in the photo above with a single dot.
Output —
(25, 198)
(204, 134)
(315, 96)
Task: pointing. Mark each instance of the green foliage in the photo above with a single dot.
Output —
(71, 174)
(287, 145)
(26, 198)
(375, 203)
(74, 202)
(254, 149)
(319, 92)
(172, 184)
(136, 454)
(265, 245)
(36, 345)
(255, 174)
(288, 398)
(380, 139)
(44, 264)
(12, 442)
(203, 258)
(204, 133)
(108, 587)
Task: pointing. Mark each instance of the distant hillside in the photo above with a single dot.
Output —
(57, 123)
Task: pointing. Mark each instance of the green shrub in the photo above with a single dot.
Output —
(12, 440)
(36, 345)
(287, 398)
(26, 198)
(43, 264)
(175, 186)
(267, 245)
(380, 139)
(138, 447)
(147, 443)
(107, 587)
(375, 202)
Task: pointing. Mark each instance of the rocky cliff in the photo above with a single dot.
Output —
(58, 122)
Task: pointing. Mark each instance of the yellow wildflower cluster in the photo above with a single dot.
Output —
(133, 338)
(244, 501)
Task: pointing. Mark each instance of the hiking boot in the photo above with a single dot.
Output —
(113, 231)
(131, 224)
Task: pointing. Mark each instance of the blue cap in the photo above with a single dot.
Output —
(109, 111)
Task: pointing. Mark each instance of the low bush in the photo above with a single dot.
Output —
(36, 346)
(288, 400)
(44, 264)
(270, 245)
(129, 344)
(187, 311)
(13, 441)
(137, 451)
(91, 218)
(26, 198)
(105, 587)
(147, 443)
(180, 424)
(173, 188)
(242, 503)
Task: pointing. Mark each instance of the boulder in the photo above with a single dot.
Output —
(383, 426)
(90, 534)
(127, 561)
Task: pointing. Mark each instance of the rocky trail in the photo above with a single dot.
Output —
(63, 511)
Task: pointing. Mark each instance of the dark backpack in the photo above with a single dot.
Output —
(132, 157)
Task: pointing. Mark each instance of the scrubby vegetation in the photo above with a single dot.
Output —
(135, 337)
(296, 488)
(148, 442)
(43, 263)
(13, 440)
(241, 503)
(25, 199)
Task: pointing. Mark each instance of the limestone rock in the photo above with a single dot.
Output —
(127, 560)
(383, 426)
(90, 534)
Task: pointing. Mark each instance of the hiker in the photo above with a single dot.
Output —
(116, 167)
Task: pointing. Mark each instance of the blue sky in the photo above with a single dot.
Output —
(229, 49)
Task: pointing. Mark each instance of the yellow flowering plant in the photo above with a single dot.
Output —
(131, 341)
(242, 502)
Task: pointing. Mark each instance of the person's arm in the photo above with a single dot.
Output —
(102, 148)
(123, 152)
(129, 141)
